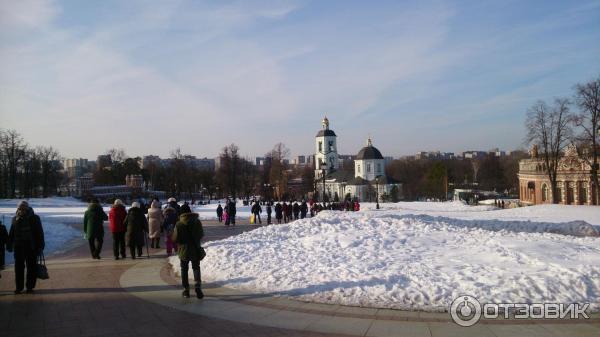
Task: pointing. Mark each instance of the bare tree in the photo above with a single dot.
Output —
(587, 98)
(549, 127)
(277, 177)
(50, 165)
(117, 155)
(13, 152)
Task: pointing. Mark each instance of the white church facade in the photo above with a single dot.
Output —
(366, 183)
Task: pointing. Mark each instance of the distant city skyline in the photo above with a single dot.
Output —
(149, 77)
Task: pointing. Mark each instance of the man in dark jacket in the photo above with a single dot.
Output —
(188, 233)
(256, 210)
(93, 226)
(303, 209)
(296, 210)
(278, 212)
(269, 211)
(26, 239)
(231, 211)
(3, 244)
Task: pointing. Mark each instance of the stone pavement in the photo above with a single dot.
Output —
(86, 297)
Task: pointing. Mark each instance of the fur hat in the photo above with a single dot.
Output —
(135, 204)
(185, 209)
(23, 204)
(118, 202)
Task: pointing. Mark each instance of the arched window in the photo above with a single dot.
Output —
(544, 192)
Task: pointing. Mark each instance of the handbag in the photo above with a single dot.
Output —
(41, 270)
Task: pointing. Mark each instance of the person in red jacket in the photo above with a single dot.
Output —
(116, 218)
(356, 206)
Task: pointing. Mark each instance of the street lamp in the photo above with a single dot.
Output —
(377, 193)
(268, 188)
(323, 172)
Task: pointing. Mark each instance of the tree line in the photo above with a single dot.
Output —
(27, 171)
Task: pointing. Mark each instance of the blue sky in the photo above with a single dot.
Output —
(150, 76)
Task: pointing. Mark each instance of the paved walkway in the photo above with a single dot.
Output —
(86, 297)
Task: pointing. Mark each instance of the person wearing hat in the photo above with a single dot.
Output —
(93, 227)
(26, 239)
(187, 234)
(116, 218)
(136, 227)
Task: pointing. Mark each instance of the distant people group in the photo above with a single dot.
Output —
(285, 211)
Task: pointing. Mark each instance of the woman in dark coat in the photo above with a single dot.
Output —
(136, 228)
(188, 233)
(93, 226)
(26, 239)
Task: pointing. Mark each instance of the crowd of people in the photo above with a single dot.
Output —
(284, 211)
(133, 228)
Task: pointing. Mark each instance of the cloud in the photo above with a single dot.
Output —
(26, 13)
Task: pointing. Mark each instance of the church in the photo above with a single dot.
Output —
(368, 182)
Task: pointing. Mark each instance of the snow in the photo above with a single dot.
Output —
(418, 256)
(57, 216)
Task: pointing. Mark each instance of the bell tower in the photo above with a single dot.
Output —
(325, 150)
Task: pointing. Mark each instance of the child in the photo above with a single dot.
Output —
(3, 243)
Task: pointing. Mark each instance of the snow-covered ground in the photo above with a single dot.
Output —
(209, 212)
(57, 215)
(418, 256)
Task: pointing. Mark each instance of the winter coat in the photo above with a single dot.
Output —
(93, 221)
(26, 229)
(296, 209)
(170, 218)
(278, 211)
(219, 211)
(3, 243)
(175, 206)
(304, 208)
(256, 209)
(269, 210)
(356, 206)
(155, 220)
(231, 208)
(188, 233)
(116, 217)
(135, 224)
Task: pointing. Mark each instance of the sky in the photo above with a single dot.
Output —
(152, 76)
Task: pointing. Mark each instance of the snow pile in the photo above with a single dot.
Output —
(410, 260)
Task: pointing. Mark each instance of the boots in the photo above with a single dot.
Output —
(199, 293)
(186, 293)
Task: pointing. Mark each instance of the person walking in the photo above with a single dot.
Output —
(269, 210)
(188, 233)
(278, 212)
(296, 210)
(3, 246)
(26, 240)
(173, 203)
(170, 219)
(155, 222)
(231, 211)
(303, 209)
(93, 227)
(256, 210)
(220, 213)
(286, 212)
(116, 219)
(136, 228)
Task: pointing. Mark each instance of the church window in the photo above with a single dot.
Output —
(358, 168)
(378, 168)
(320, 146)
(368, 168)
(330, 145)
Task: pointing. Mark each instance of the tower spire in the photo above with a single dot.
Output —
(325, 123)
